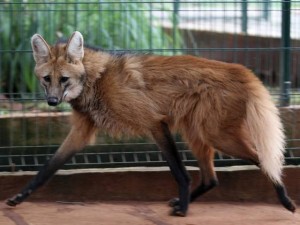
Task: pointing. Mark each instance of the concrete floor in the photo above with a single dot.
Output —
(144, 213)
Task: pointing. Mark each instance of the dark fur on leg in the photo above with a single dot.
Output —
(203, 188)
(284, 198)
(167, 145)
(198, 191)
(45, 173)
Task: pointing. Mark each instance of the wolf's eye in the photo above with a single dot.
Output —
(47, 78)
(64, 79)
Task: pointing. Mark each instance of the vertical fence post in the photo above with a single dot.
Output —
(151, 26)
(285, 55)
(175, 12)
(266, 6)
(244, 16)
(1, 78)
(175, 22)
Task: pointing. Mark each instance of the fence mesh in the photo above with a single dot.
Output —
(262, 35)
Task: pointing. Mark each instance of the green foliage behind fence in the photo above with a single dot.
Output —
(109, 25)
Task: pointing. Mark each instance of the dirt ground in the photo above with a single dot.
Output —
(141, 213)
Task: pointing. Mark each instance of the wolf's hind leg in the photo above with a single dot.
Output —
(165, 142)
(209, 180)
(239, 147)
(205, 156)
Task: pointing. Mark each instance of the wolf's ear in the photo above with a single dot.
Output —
(75, 47)
(40, 48)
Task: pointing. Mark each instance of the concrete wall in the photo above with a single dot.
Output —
(264, 60)
(50, 129)
(149, 184)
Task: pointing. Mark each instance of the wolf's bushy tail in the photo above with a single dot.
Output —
(266, 132)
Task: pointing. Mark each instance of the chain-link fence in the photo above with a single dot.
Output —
(262, 35)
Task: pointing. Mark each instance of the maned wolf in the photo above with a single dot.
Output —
(214, 105)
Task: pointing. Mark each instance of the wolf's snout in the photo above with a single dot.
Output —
(52, 101)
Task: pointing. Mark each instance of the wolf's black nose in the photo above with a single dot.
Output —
(52, 101)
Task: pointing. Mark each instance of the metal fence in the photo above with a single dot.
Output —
(262, 35)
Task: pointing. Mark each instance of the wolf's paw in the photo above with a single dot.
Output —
(174, 202)
(178, 211)
(11, 202)
(14, 200)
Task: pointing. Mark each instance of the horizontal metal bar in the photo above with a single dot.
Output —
(131, 2)
(114, 158)
(135, 10)
(178, 49)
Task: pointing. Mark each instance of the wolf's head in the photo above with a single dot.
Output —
(59, 68)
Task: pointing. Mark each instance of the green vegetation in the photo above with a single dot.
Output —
(106, 24)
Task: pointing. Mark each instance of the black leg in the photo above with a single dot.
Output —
(198, 191)
(284, 198)
(205, 156)
(203, 188)
(45, 173)
(78, 137)
(165, 142)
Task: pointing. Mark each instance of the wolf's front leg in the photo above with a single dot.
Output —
(165, 142)
(45, 173)
(78, 137)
